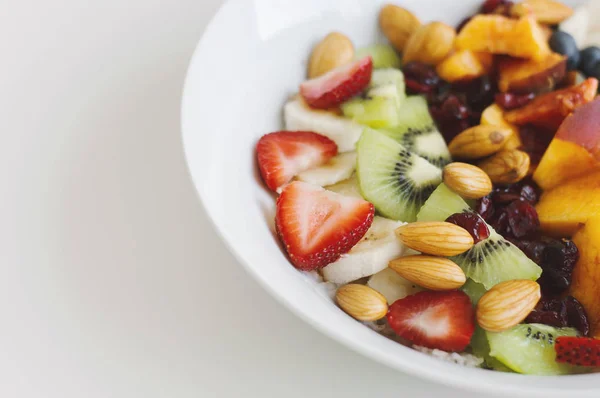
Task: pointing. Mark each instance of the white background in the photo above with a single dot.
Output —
(113, 283)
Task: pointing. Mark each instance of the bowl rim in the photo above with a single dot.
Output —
(498, 386)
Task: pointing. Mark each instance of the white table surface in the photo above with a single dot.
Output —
(113, 282)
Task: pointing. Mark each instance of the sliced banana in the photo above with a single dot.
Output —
(579, 24)
(393, 287)
(347, 187)
(339, 168)
(344, 132)
(371, 255)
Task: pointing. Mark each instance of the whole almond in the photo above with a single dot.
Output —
(434, 273)
(361, 302)
(479, 142)
(430, 43)
(397, 24)
(435, 238)
(507, 304)
(506, 167)
(334, 50)
(544, 11)
(467, 180)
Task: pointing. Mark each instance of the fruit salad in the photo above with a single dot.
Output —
(445, 186)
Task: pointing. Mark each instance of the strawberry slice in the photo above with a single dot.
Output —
(318, 226)
(579, 351)
(284, 154)
(442, 320)
(338, 85)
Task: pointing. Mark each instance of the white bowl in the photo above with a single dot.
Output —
(251, 59)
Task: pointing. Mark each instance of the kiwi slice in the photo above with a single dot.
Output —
(417, 131)
(474, 290)
(490, 261)
(383, 55)
(481, 348)
(380, 106)
(394, 179)
(529, 349)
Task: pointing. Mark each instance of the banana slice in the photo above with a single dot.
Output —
(393, 287)
(347, 187)
(337, 169)
(371, 255)
(578, 25)
(344, 132)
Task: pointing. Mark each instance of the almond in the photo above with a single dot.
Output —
(506, 167)
(334, 50)
(436, 238)
(544, 11)
(361, 302)
(507, 304)
(430, 43)
(467, 180)
(397, 24)
(479, 142)
(434, 273)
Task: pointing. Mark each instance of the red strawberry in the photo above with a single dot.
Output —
(318, 226)
(580, 351)
(338, 85)
(284, 154)
(442, 320)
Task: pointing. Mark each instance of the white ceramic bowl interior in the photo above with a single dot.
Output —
(251, 59)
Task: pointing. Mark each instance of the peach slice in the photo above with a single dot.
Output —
(586, 275)
(493, 115)
(565, 208)
(496, 34)
(528, 76)
(550, 110)
(575, 149)
(465, 65)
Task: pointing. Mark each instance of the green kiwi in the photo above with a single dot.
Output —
(383, 55)
(394, 179)
(384, 80)
(474, 290)
(417, 131)
(529, 349)
(481, 348)
(490, 261)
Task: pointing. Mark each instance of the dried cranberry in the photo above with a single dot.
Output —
(534, 249)
(479, 92)
(472, 223)
(522, 218)
(535, 141)
(558, 260)
(504, 196)
(485, 208)
(561, 313)
(510, 101)
(500, 223)
(454, 108)
(529, 191)
(577, 316)
(420, 78)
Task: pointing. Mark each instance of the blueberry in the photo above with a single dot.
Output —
(595, 72)
(589, 58)
(563, 43)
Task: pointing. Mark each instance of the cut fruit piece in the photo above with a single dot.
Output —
(393, 287)
(497, 34)
(394, 179)
(465, 65)
(493, 115)
(338, 168)
(378, 112)
(578, 351)
(528, 76)
(544, 11)
(442, 320)
(347, 187)
(575, 150)
(565, 208)
(299, 117)
(586, 274)
(318, 226)
(490, 261)
(496, 260)
(383, 55)
(338, 85)
(284, 154)
(474, 290)
(417, 132)
(529, 349)
(383, 81)
(371, 255)
(442, 203)
(550, 110)
(481, 348)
